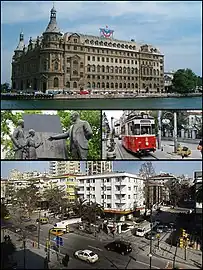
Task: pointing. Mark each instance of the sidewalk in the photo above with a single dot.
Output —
(193, 257)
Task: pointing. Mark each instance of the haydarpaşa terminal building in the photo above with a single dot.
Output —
(74, 61)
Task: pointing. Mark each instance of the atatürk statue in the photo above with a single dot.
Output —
(79, 133)
(18, 140)
(32, 145)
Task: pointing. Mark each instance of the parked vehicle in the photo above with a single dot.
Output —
(43, 220)
(25, 219)
(160, 228)
(120, 247)
(143, 228)
(31, 228)
(86, 255)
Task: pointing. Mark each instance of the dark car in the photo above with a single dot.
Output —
(151, 235)
(31, 228)
(119, 247)
(25, 219)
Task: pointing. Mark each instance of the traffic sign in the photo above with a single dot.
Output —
(59, 241)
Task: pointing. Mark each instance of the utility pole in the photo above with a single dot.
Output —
(175, 132)
(159, 129)
(150, 250)
(39, 223)
(174, 258)
(48, 248)
(112, 127)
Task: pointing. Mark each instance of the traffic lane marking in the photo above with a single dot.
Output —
(147, 264)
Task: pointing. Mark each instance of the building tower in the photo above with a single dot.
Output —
(51, 54)
(17, 54)
(64, 167)
(98, 167)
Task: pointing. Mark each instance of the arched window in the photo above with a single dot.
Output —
(103, 69)
(68, 84)
(56, 66)
(98, 85)
(93, 85)
(88, 68)
(98, 68)
(116, 69)
(116, 85)
(150, 71)
(112, 85)
(147, 71)
(93, 68)
(107, 85)
(103, 85)
(154, 71)
(75, 62)
(56, 82)
(75, 85)
(154, 85)
(157, 72)
(136, 70)
(120, 85)
(136, 85)
(107, 69)
(132, 70)
(120, 69)
(128, 85)
(124, 70)
(111, 68)
(124, 85)
(89, 85)
(75, 73)
(132, 86)
(150, 85)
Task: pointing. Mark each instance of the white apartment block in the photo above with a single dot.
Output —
(118, 193)
(64, 167)
(98, 167)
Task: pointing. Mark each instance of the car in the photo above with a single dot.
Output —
(165, 228)
(86, 255)
(7, 217)
(57, 232)
(160, 228)
(43, 220)
(31, 228)
(25, 219)
(121, 247)
(18, 230)
(151, 235)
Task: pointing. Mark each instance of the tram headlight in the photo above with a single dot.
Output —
(147, 143)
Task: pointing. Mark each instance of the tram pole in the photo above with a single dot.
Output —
(159, 129)
(175, 132)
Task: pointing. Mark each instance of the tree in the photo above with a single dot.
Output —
(146, 171)
(91, 211)
(5, 87)
(4, 211)
(57, 200)
(184, 81)
(28, 198)
(9, 119)
(94, 119)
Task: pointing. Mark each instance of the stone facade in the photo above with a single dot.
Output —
(74, 61)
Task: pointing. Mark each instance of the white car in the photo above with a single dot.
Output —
(86, 255)
(160, 228)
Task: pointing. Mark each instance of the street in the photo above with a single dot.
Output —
(167, 151)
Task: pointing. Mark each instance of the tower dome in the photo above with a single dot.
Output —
(21, 43)
(52, 26)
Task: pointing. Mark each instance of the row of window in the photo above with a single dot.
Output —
(112, 60)
(120, 85)
(112, 69)
(111, 77)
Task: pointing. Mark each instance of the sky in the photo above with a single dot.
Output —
(174, 27)
(173, 167)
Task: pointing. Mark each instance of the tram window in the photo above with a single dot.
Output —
(136, 129)
(153, 129)
(145, 130)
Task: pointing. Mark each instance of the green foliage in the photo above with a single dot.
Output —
(27, 198)
(4, 211)
(10, 119)
(94, 119)
(184, 81)
(5, 87)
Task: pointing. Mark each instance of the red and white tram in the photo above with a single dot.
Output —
(138, 134)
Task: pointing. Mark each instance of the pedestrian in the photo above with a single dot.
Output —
(65, 260)
(199, 147)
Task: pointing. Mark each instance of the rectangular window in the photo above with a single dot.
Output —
(98, 59)
(75, 48)
(107, 59)
(120, 61)
(123, 61)
(111, 60)
(75, 40)
(81, 74)
(116, 60)
(93, 58)
(88, 58)
(102, 59)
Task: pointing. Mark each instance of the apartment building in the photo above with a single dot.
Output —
(98, 167)
(118, 193)
(64, 167)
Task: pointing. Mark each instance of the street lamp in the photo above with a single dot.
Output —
(39, 223)
(166, 121)
(150, 261)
